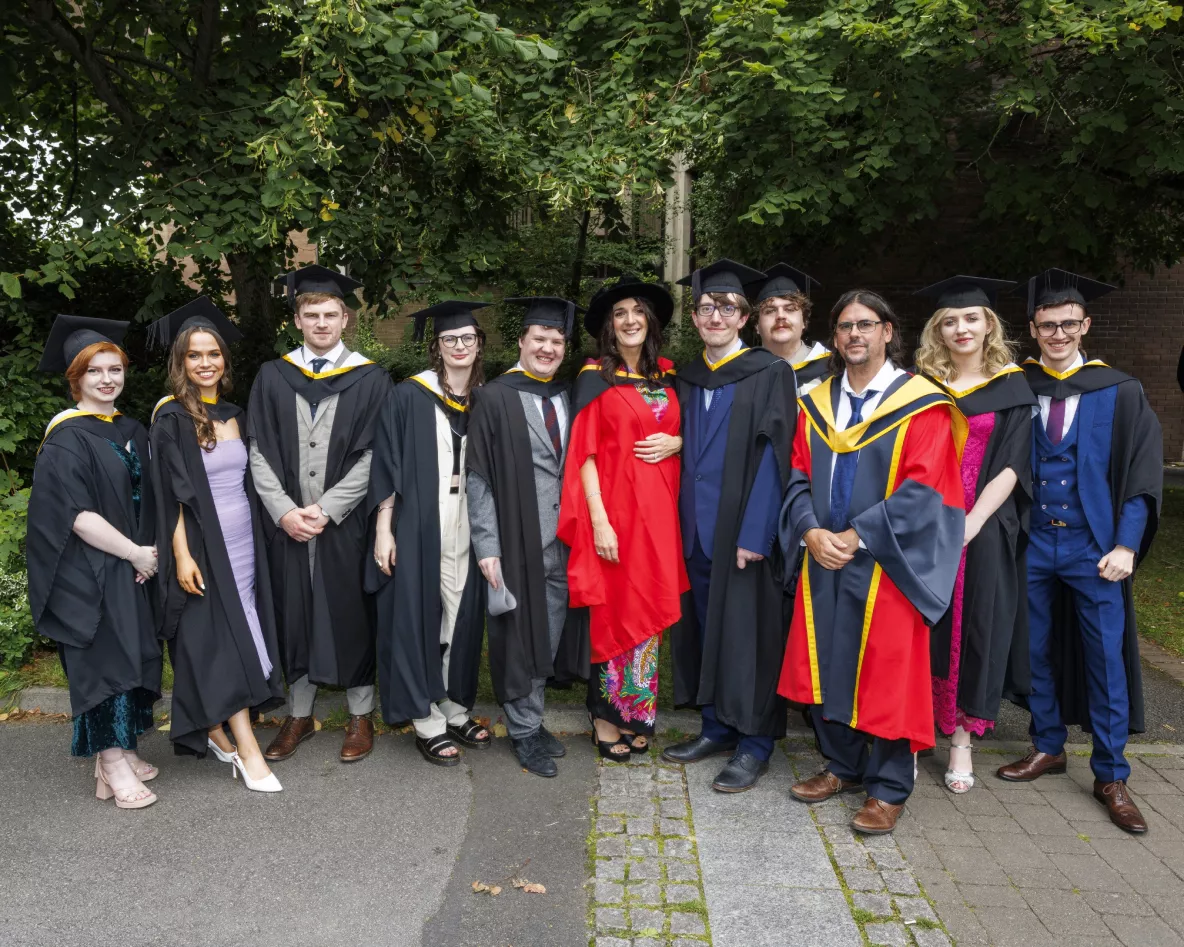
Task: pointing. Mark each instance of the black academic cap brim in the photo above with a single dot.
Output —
(628, 287)
(69, 335)
(963, 292)
(1054, 287)
(200, 312)
(315, 279)
(722, 276)
(551, 312)
(783, 280)
(446, 316)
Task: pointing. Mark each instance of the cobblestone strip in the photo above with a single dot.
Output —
(647, 889)
(886, 900)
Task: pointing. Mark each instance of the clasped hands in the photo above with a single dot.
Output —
(832, 550)
(304, 523)
(657, 448)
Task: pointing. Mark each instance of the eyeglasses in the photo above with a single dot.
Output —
(1048, 329)
(863, 325)
(468, 340)
(707, 310)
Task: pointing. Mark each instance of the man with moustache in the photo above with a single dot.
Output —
(876, 497)
(518, 432)
(783, 307)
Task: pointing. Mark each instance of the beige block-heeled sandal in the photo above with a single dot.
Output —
(124, 798)
(144, 770)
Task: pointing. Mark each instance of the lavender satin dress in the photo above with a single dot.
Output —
(226, 469)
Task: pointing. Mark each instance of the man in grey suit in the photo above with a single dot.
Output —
(310, 423)
(517, 438)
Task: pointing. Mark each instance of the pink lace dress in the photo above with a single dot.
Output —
(946, 711)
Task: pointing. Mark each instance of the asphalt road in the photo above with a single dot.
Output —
(361, 854)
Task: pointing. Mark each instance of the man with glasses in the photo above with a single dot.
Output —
(310, 424)
(738, 422)
(875, 496)
(1097, 463)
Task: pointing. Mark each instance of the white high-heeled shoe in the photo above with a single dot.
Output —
(267, 784)
(222, 754)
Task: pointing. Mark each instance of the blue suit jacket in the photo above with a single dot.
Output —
(1095, 432)
(705, 439)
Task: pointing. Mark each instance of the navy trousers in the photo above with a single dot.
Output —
(1070, 555)
(699, 572)
(886, 770)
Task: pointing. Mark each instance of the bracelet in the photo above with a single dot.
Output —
(589, 496)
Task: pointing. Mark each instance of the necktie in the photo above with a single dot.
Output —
(551, 420)
(318, 365)
(1056, 420)
(843, 477)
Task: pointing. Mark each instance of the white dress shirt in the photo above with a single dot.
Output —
(1070, 402)
(732, 350)
(560, 411)
(303, 357)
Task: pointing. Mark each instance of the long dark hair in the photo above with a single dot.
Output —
(436, 358)
(877, 304)
(647, 363)
(187, 393)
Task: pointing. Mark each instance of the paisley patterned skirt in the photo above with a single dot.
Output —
(624, 689)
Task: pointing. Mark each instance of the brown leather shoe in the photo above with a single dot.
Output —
(1032, 766)
(293, 732)
(1123, 811)
(823, 786)
(359, 739)
(876, 817)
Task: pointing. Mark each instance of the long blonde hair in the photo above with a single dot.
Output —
(933, 358)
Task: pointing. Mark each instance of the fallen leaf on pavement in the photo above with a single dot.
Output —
(531, 888)
(316, 724)
(480, 887)
(499, 730)
(164, 728)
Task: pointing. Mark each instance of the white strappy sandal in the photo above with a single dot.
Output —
(959, 783)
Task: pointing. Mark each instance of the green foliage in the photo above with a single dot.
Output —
(17, 634)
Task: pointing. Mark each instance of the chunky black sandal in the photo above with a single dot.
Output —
(632, 738)
(431, 750)
(606, 746)
(467, 732)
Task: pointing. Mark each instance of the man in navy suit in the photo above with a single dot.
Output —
(739, 414)
(1097, 462)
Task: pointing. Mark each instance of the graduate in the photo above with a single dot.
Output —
(310, 422)
(1097, 467)
(876, 497)
(783, 308)
(431, 595)
(216, 606)
(90, 552)
(518, 432)
(737, 423)
(623, 458)
(980, 645)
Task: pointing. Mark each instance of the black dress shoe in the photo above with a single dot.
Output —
(741, 773)
(533, 757)
(551, 745)
(697, 749)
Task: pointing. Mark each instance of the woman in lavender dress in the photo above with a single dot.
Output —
(216, 603)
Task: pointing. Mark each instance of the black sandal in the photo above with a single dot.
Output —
(431, 750)
(631, 740)
(606, 746)
(465, 734)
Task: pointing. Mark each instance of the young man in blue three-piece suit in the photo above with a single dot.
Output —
(739, 413)
(1097, 464)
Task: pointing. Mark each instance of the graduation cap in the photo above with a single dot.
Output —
(722, 276)
(1054, 287)
(783, 280)
(69, 335)
(447, 316)
(549, 311)
(962, 292)
(627, 287)
(200, 313)
(315, 279)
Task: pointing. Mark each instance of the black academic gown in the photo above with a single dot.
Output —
(994, 646)
(405, 464)
(216, 669)
(1136, 469)
(85, 600)
(499, 453)
(735, 661)
(325, 621)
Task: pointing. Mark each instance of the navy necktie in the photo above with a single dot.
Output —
(318, 366)
(843, 477)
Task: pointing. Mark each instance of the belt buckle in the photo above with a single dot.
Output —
(1058, 523)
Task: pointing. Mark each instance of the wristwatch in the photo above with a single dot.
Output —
(322, 509)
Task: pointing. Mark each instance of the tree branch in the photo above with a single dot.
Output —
(208, 33)
(48, 20)
(137, 58)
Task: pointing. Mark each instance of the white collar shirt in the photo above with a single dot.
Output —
(560, 411)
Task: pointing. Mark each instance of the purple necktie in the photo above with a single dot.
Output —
(1056, 420)
(551, 420)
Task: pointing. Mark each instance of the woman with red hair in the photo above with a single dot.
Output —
(90, 551)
